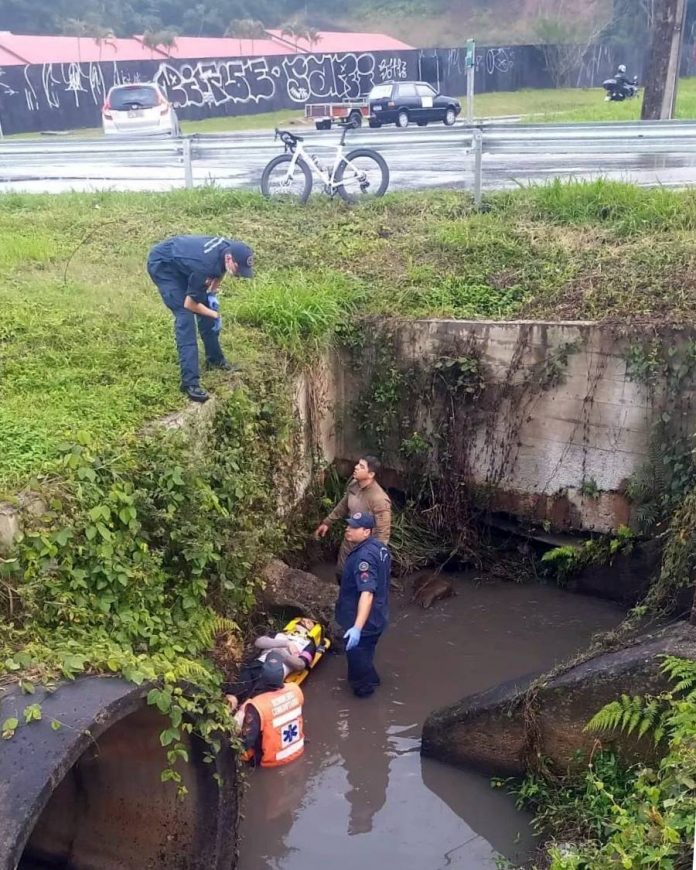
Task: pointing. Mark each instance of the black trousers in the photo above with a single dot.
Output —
(247, 683)
(362, 676)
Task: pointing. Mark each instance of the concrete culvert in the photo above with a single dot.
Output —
(90, 795)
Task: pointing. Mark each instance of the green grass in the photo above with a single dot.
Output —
(86, 344)
(574, 104)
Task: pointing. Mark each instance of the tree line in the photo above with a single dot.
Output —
(162, 20)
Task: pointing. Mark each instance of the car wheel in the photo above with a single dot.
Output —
(402, 120)
(355, 120)
(450, 117)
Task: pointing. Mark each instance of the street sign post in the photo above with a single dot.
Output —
(470, 64)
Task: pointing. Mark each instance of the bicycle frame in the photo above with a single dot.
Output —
(327, 176)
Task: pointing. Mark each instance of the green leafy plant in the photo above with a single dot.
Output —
(563, 563)
(589, 488)
(610, 815)
(145, 555)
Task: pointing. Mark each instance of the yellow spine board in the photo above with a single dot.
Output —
(322, 644)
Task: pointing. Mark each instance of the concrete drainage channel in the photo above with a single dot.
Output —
(89, 794)
(559, 424)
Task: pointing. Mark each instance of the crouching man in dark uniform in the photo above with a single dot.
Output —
(187, 271)
(362, 608)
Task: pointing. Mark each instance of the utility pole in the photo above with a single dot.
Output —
(662, 73)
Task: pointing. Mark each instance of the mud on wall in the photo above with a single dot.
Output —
(555, 434)
(61, 96)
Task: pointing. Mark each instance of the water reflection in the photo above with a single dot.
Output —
(361, 798)
(367, 782)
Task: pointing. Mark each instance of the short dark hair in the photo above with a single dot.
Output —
(373, 464)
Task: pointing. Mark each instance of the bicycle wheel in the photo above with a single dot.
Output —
(277, 180)
(362, 173)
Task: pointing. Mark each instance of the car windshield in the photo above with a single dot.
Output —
(133, 95)
(379, 92)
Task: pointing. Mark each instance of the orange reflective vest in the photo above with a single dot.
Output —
(282, 726)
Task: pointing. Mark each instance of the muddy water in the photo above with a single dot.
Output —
(361, 797)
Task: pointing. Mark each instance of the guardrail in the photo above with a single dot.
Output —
(237, 158)
(630, 138)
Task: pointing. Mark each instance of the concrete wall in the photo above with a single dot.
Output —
(537, 448)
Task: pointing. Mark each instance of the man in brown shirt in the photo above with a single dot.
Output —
(364, 495)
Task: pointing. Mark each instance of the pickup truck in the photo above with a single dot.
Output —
(348, 113)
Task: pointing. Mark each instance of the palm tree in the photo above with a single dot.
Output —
(246, 28)
(313, 36)
(102, 36)
(295, 31)
(75, 27)
(167, 39)
(153, 39)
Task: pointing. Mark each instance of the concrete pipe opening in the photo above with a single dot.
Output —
(89, 802)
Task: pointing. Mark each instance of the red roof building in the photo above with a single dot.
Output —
(18, 50)
(335, 42)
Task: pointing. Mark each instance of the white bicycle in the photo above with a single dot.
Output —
(359, 173)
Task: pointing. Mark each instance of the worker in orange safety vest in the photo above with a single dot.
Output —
(272, 727)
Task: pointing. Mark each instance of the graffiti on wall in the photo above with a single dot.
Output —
(214, 82)
(57, 88)
(500, 59)
(61, 86)
(495, 60)
(299, 78)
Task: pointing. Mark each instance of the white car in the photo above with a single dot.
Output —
(139, 109)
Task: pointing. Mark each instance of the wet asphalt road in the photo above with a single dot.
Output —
(418, 158)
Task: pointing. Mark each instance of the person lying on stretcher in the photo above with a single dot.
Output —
(295, 648)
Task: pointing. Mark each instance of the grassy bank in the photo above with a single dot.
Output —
(575, 104)
(87, 344)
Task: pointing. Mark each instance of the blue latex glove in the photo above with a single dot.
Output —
(353, 634)
(214, 303)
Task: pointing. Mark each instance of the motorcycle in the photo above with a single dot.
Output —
(618, 91)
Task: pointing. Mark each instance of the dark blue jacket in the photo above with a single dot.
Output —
(196, 258)
(367, 569)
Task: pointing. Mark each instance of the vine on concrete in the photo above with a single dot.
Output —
(426, 415)
(663, 489)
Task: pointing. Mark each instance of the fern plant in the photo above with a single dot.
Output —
(632, 714)
(643, 714)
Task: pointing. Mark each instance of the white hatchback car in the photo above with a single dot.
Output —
(139, 109)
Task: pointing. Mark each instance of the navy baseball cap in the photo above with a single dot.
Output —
(361, 521)
(243, 257)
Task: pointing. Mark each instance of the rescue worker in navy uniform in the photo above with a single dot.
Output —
(187, 270)
(362, 607)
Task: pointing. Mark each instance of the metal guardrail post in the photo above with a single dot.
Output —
(478, 153)
(188, 166)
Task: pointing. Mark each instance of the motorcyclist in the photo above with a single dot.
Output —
(622, 80)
